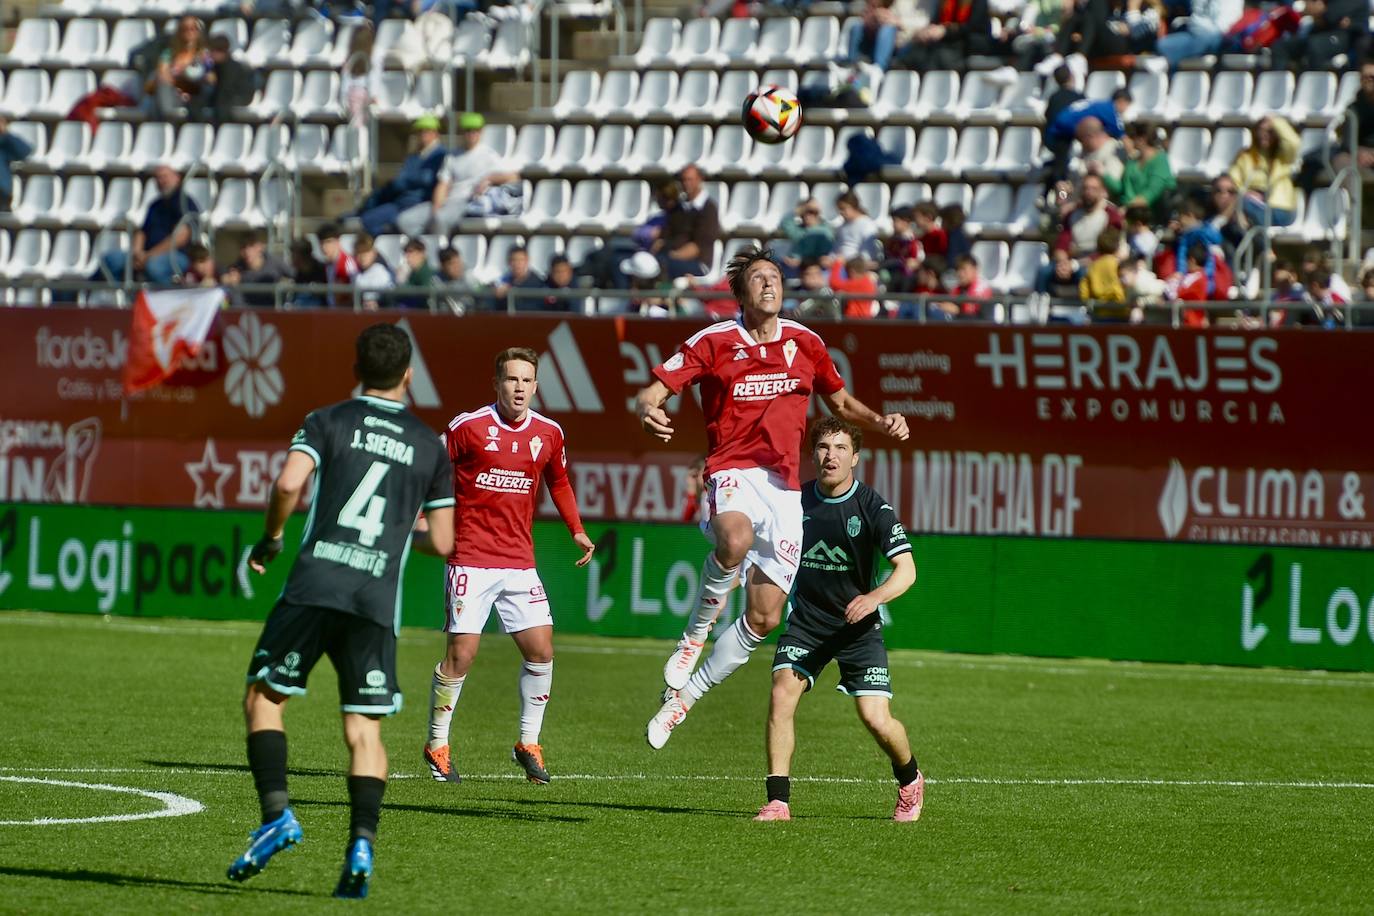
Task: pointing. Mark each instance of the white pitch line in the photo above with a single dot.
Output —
(1011, 664)
(172, 805)
(725, 777)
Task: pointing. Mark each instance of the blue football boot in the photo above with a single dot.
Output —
(356, 870)
(265, 842)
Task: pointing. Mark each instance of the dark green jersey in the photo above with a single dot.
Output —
(376, 466)
(842, 539)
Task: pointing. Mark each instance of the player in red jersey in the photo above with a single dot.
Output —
(756, 376)
(499, 453)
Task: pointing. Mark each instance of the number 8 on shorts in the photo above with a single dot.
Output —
(517, 594)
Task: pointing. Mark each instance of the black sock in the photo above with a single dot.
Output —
(779, 789)
(365, 797)
(267, 760)
(905, 772)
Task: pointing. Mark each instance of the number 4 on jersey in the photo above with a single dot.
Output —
(364, 509)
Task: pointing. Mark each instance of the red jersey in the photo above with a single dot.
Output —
(754, 395)
(496, 472)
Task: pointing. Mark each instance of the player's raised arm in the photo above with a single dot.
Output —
(849, 408)
(649, 403)
(286, 495)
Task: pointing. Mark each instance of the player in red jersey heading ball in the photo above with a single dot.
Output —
(499, 453)
(756, 376)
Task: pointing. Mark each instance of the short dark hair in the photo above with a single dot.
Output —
(934, 262)
(1197, 252)
(1194, 209)
(517, 249)
(414, 245)
(965, 260)
(1063, 75)
(850, 199)
(739, 265)
(253, 238)
(328, 231)
(829, 426)
(952, 216)
(449, 253)
(1121, 95)
(1138, 214)
(1321, 278)
(197, 253)
(809, 263)
(927, 209)
(218, 42)
(1109, 240)
(556, 260)
(383, 356)
(525, 354)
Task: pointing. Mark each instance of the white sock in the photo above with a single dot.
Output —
(717, 583)
(443, 696)
(535, 680)
(732, 649)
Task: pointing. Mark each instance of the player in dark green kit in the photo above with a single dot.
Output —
(376, 466)
(846, 527)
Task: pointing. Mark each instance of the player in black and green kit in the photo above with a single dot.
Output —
(376, 467)
(846, 528)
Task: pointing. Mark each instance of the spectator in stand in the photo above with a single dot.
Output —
(969, 285)
(902, 252)
(1082, 223)
(1147, 178)
(307, 270)
(1225, 212)
(465, 173)
(374, 274)
(1264, 173)
(1332, 33)
(957, 242)
(1193, 231)
(1366, 285)
(159, 247)
(458, 293)
(1101, 282)
(810, 297)
(13, 148)
(414, 185)
(518, 275)
(255, 266)
(561, 276)
(810, 235)
(885, 26)
(693, 254)
(857, 235)
(853, 276)
(1060, 133)
(1141, 285)
(1059, 101)
(1141, 240)
(1039, 31)
(1314, 261)
(647, 236)
(694, 508)
(1208, 21)
(932, 236)
(415, 275)
(927, 282)
(961, 28)
(179, 77)
(1091, 32)
(1314, 168)
(1192, 285)
(229, 84)
(646, 285)
(200, 267)
(339, 265)
(1329, 302)
(1065, 278)
(1101, 154)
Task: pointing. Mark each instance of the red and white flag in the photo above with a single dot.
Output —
(169, 327)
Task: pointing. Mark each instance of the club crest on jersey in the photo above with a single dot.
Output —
(536, 446)
(494, 435)
(789, 352)
(853, 526)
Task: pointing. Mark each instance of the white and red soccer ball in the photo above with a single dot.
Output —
(772, 114)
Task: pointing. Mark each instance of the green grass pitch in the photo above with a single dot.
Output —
(1054, 787)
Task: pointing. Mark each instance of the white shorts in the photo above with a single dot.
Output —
(775, 512)
(471, 591)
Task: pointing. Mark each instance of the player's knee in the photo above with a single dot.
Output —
(875, 717)
(258, 697)
(362, 733)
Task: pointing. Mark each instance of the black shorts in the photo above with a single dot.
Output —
(812, 638)
(363, 654)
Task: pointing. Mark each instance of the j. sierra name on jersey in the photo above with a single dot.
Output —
(753, 394)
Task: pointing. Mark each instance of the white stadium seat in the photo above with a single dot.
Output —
(611, 149)
(697, 43)
(271, 43)
(657, 90)
(777, 43)
(818, 42)
(691, 145)
(35, 41)
(618, 88)
(25, 92)
(1230, 99)
(83, 44)
(82, 199)
(576, 95)
(572, 149)
(1273, 95)
(548, 203)
(68, 88)
(126, 35)
(71, 140)
(658, 43)
(631, 202)
(650, 150)
(588, 210)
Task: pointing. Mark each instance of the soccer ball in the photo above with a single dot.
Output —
(772, 114)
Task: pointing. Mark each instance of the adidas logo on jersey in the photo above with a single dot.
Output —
(740, 354)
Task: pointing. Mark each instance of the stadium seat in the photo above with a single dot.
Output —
(777, 44)
(200, 190)
(590, 204)
(939, 99)
(1149, 96)
(576, 95)
(1102, 83)
(1188, 98)
(83, 44)
(1226, 143)
(658, 43)
(271, 43)
(935, 154)
(312, 44)
(37, 202)
(533, 146)
(1313, 140)
(876, 199)
(1273, 95)
(748, 204)
(993, 259)
(1315, 98)
(71, 140)
(25, 91)
(657, 89)
(1024, 100)
(691, 145)
(577, 248)
(611, 149)
(70, 256)
(787, 78)
(976, 159)
(954, 194)
(910, 193)
(125, 81)
(429, 94)
(897, 99)
(389, 90)
(388, 248)
(122, 199)
(1023, 266)
(730, 151)
(618, 89)
(34, 134)
(471, 42)
(29, 254)
(548, 204)
(650, 150)
(126, 35)
(494, 262)
(825, 194)
(572, 149)
(736, 45)
(473, 248)
(631, 202)
(231, 148)
(783, 199)
(510, 47)
(152, 144)
(393, 34)
(734, 86)
(193, 144)
(773, 161)
(1325, 216)
(274, 200)
(818, 43)
(236, 30)
(1018, 153)
(1230, 99)
(314, 150)
(980, 99)
(319, 96)
(235, 206)
(542, 250)
(500, 138)
(68, 87)
(697, 43)
(696, 91)
(35, 41)
(277, 96)
(990, 213)
(1188, 151)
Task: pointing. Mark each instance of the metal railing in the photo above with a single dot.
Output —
(612, 303)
